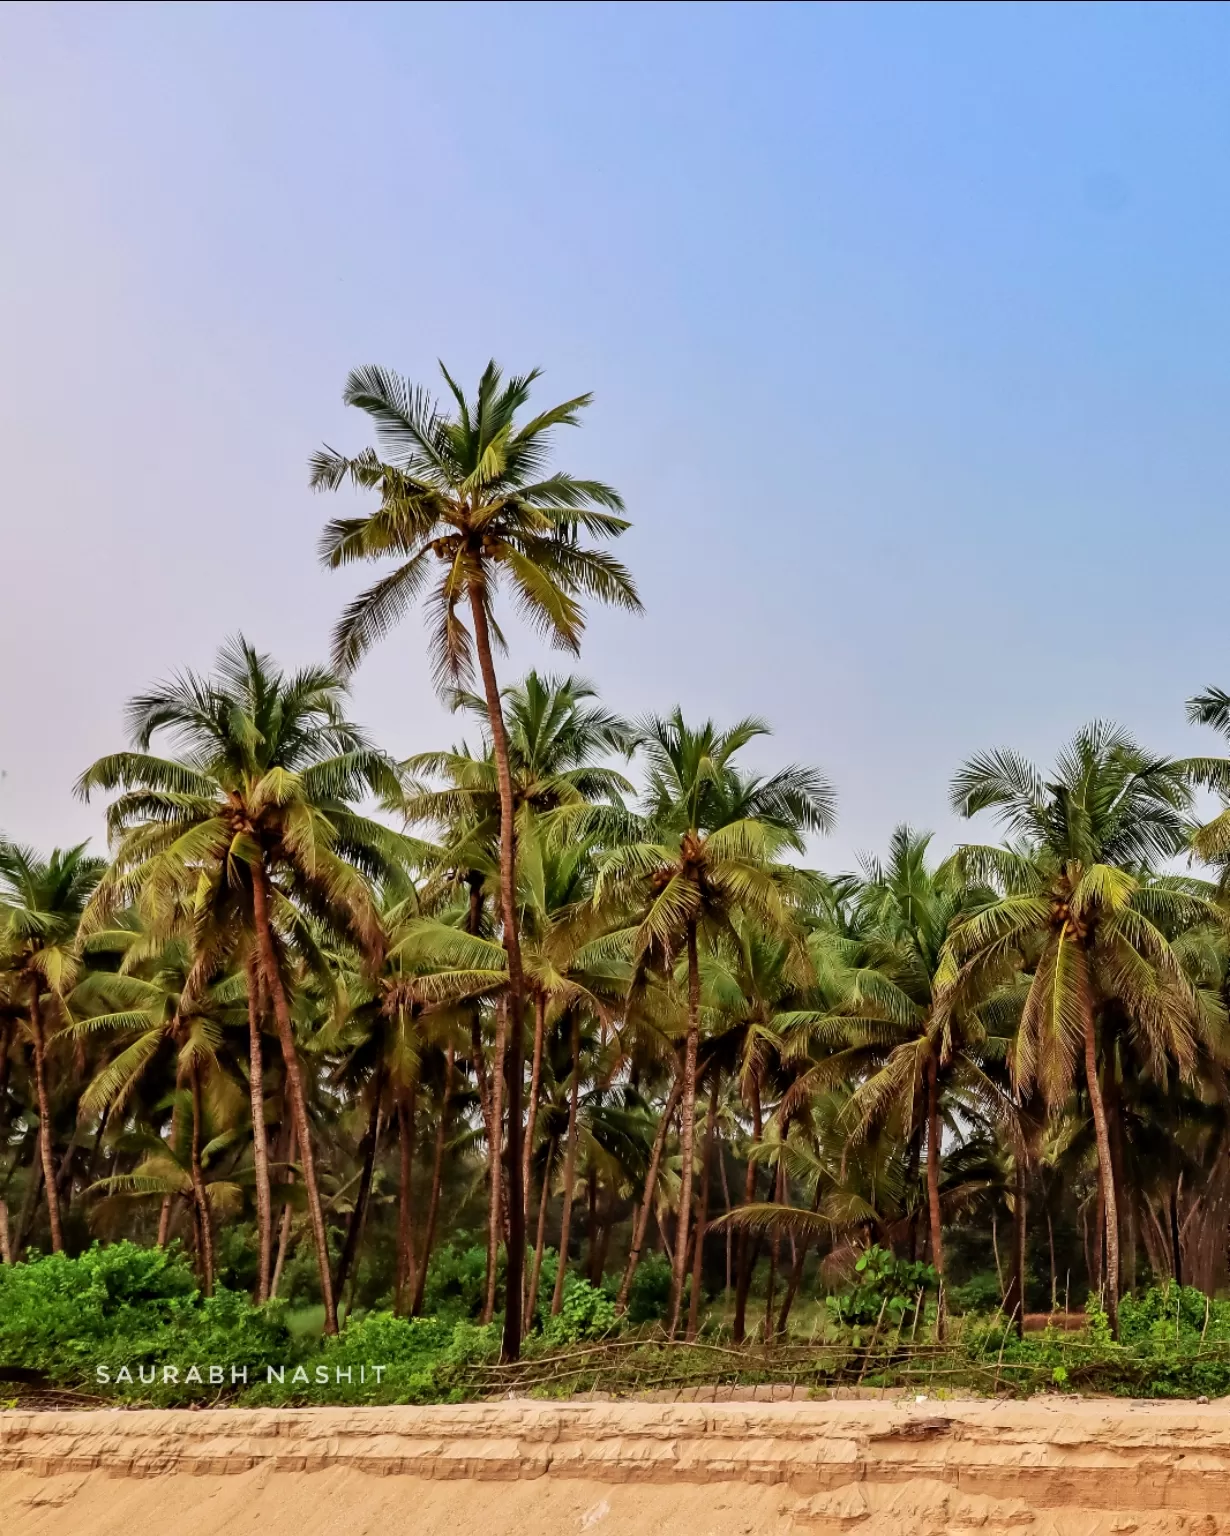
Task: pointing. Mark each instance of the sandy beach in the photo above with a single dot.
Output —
(715, 1469)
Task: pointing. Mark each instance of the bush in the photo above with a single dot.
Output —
(887, 1289)
(586, 1313)
(649, 1297)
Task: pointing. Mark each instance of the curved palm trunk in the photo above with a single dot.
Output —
(204, 1222)
(260, 1137)
(46, 1155)
(371, 1142)
(687, 1128)
(775, 1243)
(531, 1295)
(294, 1083)
(511, 1345)
(796, 1270)
(1111, 1207)
(570, 1166)
(284, 1231)
(437, 1179)
(702, 1214)
(407, 1272)
(495, 1159)
(933, 1187)
(540, 1025)
(651, 1180)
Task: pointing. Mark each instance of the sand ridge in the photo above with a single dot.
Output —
(1050, 1465)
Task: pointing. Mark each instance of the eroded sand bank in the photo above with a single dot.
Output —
(909, 1469)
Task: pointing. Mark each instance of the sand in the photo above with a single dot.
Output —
(883, 1468)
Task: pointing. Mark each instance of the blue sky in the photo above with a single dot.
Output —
(908, 328)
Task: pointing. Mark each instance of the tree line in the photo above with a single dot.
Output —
(318, 1003)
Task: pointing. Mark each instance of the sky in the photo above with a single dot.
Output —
(907, 326)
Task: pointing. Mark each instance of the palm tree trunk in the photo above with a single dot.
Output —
(437, 1179)
(407, 1272)
(721, 1159)
(531, 1296)
(1107, 1171)
(205, 1224)
(570, 1166)
(933, 1187)
(164, 1214)
(260, 1139)
(651, 1179)
(687, 1128)
(747, 1249)
(702, 1212)
(44, 1118)
(284, 1231)
(6, 1246)
(1018, 1241)
(367, 1152)
(1176, 1243)
(540, 1024)
(495, 1158)
(1050, 1240)
(796, 1271)
(294, 1082)
(511, 1344)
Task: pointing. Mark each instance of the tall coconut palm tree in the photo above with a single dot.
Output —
(465, 487)
(1077, 907)
(41, 903)
(255, 810)
(712, 851)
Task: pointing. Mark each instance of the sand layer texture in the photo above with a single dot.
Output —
(708, 1469)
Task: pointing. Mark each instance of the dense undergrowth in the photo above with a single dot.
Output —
(129, 1324)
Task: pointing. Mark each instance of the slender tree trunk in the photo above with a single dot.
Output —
(1176, 1244)
(511, 1344)
(531, 1295)
(570, 1165)
(6, 1246)
(591, 1196)
(702, 1212)
(407, 1127)
(651, 1178)
(294, 1084)
(721, 1156)
(260, 1141)
(774, 1251)
(1107, 1171)
(164, 1214)
(495, 1157)
(1050, 1242)
(1019, 1216)
(284, 1231)
(606, 1217)
(540, 1024)
(437, 1179)
(796, 1272)
(933, 1187)
(205, 1222)
(44, 1118)
(747, 1248)
(687, 1128)
(367, 1153)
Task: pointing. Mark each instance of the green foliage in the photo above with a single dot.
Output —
(650, 1294)
(457, 1282)
(980, 1293)
(887, 1289)
(586, 1313)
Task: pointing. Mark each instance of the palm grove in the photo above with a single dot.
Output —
(563, 1004)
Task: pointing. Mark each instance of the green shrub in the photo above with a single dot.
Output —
(649, 1297)
(586, 1313)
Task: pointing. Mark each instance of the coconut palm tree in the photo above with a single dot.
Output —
(41, 903)
(930, 1047)
(1076, 906)
(712, 851)
(468, 491)
(254, 812)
